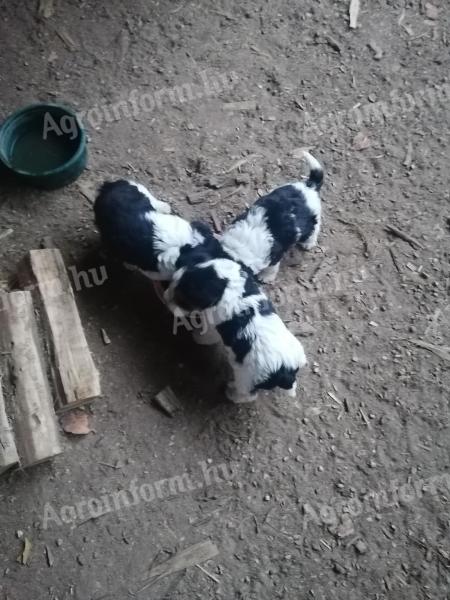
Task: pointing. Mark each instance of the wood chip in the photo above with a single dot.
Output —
(46, 8)
(208, 573)
(198, 197)
(361, 141)
(25, 555)
(354, 13)
(168, 402)
(377, 50)
(394, 260)
(49, 556)
(441, 351)
(105, 337)
(216, 222)
(226, 16)
(254, 48)
(364, 417)
(76, 422)
(409, 155)
(333, 397)
(65, 37)
(403, 236)
(333, 43)
(6, 233)
(190, 557)
(431, 11)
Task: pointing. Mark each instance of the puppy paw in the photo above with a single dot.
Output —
(309, 244)
(267, 277)
(269, 274)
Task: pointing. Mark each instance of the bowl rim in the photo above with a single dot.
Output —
(62, 167)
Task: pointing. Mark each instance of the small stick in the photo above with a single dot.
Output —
(403, 236)
(49, 556)
(333, 43)
(442, 352)
(105, 337)
(6, 233)
(105, 464)
(394, 260)
(240, 163)
(409, 156)
(216, 222)
(364, 416)
(207, 573)
(333, 397)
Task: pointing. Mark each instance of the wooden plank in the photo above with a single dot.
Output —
(74, 374)
(29, 395)
(8, 451)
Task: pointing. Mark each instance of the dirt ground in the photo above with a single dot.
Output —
(343, 493)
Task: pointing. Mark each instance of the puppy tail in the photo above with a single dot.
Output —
(315, 178)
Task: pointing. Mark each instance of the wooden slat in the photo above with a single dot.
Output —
(28, 395)
(75, 375)
(8, 451)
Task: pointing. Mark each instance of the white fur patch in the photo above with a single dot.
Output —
(158, 205)
(249, 240)
(170, 234)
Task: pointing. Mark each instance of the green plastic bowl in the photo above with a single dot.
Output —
(43, 145)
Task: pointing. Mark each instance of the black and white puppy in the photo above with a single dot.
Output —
(263, 353)
(290, 214)
(139, 230)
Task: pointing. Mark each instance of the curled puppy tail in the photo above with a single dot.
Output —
(315, 178)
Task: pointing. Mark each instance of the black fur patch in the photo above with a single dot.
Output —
(199, 288)
(265, 307)
(283, 378)
(210, 249)
(232, 333)
(251, 286)
(119, 215)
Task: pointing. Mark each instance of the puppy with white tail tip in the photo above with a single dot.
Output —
(289, 215)
(263, 353)
(140, 231)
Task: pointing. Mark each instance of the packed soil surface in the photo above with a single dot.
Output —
(342, 493)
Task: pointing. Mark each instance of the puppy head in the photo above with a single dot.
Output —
(195, 288)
